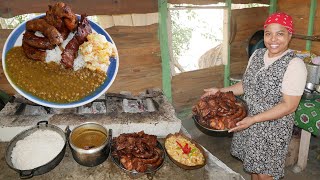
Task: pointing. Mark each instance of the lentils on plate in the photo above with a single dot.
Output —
(50, 81)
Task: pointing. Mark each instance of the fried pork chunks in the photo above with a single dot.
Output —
(137, 151)
(56, 25)
(62, 18)
(219, 111)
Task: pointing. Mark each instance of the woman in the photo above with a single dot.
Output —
(272, 86)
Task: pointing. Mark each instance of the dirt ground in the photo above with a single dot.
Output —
(219, 146)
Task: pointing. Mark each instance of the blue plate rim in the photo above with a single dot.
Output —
(112, 70)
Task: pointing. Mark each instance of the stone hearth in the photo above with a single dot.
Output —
(123, 113)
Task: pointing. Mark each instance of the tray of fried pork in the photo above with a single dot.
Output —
(137, 154)
(219, 112)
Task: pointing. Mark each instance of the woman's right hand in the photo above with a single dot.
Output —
(210, 91)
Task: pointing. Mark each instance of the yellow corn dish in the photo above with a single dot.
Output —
(192, 158)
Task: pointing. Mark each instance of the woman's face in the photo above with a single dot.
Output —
(276, 39)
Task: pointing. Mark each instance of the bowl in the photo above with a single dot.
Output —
(15, 39)
(183, 166)
(42, 125)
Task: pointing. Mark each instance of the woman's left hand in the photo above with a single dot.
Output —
(243, 124)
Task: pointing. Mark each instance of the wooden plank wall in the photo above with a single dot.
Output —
(10, 8)
(206, 2)
(138, 46)
(299, 10)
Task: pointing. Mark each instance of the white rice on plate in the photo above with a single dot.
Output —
(93, 54)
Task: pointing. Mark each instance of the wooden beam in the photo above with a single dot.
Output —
(11, 8)
(205, 2)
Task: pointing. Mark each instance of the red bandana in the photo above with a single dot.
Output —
(280, 18)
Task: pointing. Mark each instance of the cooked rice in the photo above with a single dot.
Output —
(96, 57)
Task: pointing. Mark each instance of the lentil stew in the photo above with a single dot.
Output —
(51, 81)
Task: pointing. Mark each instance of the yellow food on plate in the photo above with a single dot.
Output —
(97, 51)
(184, 151)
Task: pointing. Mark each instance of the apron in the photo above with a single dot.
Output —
(263, 146)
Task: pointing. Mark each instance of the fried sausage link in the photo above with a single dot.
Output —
(33, 53)
(37, 42)
(47, 30)
(70, 52)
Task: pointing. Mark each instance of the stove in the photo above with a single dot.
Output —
(150, 111)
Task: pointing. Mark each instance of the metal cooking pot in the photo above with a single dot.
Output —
(90, 143)
(313, 73)
(317, 87)
(42, 125)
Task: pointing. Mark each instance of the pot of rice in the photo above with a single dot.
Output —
(37, 150)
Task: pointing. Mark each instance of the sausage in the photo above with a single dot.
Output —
(159, 161)
(70, 52)
(37, 42)
(242, 115)
(47, 30)
(33, 53)
(154, 158)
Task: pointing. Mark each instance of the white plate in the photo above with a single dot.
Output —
(15, 39)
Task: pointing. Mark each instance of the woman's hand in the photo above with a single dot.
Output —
(243, 124)
(210, 91)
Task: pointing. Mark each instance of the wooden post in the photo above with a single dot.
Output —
(165, 56)
(312, 14)
(303, 152)
(226, 45)
(273, 6)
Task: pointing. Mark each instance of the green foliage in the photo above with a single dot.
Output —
(181, 32)
(12, 23)
(184, 22)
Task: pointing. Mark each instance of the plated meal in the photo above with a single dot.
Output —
(220, 111)
(60, 59)
(184, 152)
(137, 152)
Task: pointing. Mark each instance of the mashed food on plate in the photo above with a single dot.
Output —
(96, 52)
(184, 151)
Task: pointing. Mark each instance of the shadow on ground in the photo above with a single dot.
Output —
(219, 145)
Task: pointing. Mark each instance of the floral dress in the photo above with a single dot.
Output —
(263, 146)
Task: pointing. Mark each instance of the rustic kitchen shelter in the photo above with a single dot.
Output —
(141, 32)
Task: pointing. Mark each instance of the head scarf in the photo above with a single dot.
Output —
(280, 18)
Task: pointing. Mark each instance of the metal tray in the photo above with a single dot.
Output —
(134, 174)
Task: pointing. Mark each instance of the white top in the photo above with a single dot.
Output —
(295, 77)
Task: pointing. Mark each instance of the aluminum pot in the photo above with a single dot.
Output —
(42, 125)
(90, 143)
(313, 73)
(317, 87)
